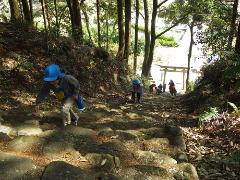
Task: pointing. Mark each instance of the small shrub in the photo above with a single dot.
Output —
(208, 115)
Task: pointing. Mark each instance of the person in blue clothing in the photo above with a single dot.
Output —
(137, 90)
(66, 89)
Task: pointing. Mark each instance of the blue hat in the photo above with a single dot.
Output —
(52, 72)
(136, 82)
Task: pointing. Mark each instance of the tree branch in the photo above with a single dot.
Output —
(166, 30)
(142, 15)
(158, 6)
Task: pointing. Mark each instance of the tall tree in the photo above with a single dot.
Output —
(136, 37)
(31, 11)
(74, 9)
(148, 62)
(77, 20)
(26, 12)
(155, 10)
(87, 24)
(47, 14)
(15, 10)
(127, 29)
(191, 26)
(98, 22)
(233, 24)
(120, 28)
(107, 31)
(147, 37)
(44, 15)
(56, 18)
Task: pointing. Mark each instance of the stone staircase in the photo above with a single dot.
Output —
(123, 142)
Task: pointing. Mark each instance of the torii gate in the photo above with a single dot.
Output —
(166, 69)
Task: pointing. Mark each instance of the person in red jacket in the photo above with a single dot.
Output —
(172, 88)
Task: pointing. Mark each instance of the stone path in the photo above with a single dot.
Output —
(112, 141)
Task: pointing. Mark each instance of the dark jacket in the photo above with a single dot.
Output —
(69, 85)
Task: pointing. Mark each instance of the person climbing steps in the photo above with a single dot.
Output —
(66, 89)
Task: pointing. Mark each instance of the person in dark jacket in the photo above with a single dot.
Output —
(159, 89)
(164, 87)
(137, 90)
(66, 89)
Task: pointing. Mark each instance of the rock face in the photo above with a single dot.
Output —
(105, 162)
(63, 170)
(15, 167)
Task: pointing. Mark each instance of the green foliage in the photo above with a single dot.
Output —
(206, 116)
(191, 86)
(236, 110)
(218, 21)
(23, 64)
(235, 156)
(224, 73)
(140, 28)
(164, 40)
(140, 49)
(167, 41)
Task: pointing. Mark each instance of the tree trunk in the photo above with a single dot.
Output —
(120, 28)
(147, 65)
(237, 45)
(26, 12)
(189, 54)
(127, 29)
(44, 16)
(152, 42)
(69, 3)
(74, 9)
(98, 23)
(77, 21)
(15, 11)
(136, 38)
(233, 24)
(107, 33)
(56, 19)
(47, 14)
(31, 11)
(87, 25)
(147, 38)
(21, 10)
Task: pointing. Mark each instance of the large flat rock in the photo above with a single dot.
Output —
(15, 167)
(28, 130)
(64, 171)
(57, 149)
(155, 159)
(79, 131)
(24, 143)
(142, 172)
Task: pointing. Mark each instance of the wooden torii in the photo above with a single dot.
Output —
(166, 69)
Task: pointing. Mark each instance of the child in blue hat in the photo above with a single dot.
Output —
(137, 90)
(66, 89)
